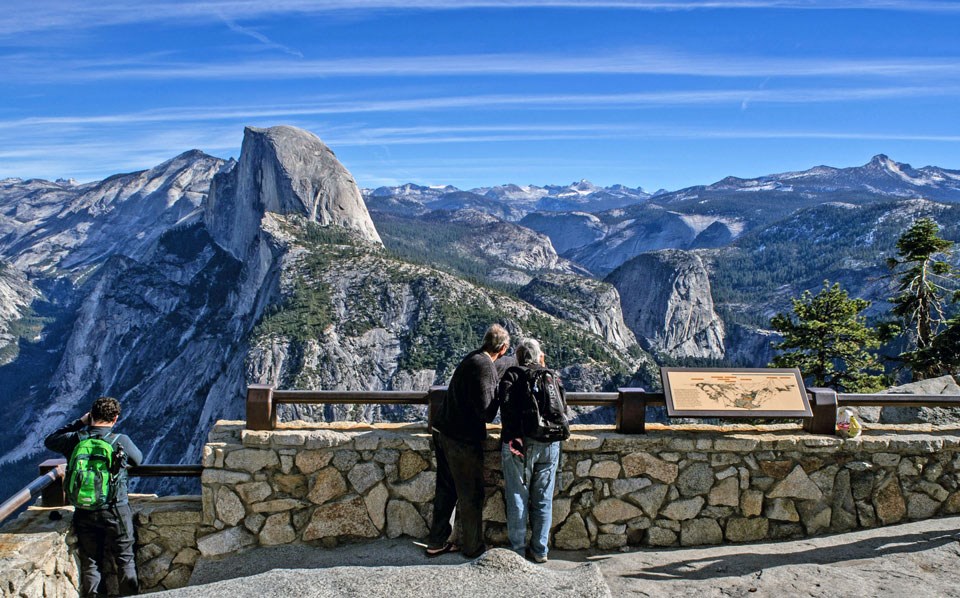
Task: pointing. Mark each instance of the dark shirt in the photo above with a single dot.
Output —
(504, 363)
(65, 439)
(471, 399)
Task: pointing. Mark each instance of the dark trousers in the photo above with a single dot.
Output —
(103, 533)
(459, 484)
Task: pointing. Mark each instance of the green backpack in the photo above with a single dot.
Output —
(92, 472)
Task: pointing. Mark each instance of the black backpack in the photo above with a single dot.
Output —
(545, 417)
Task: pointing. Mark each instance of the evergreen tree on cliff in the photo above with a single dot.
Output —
(918, 306)
(828, 340)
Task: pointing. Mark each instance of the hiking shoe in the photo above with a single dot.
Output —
(536, 558)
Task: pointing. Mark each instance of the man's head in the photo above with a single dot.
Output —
(105, 410)
(529, 353)
(496, 341)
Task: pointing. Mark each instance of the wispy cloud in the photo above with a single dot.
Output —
(650, 61)
(518, 133)
(22, 16)
(76, 155)
(263, 39)
(590, 102)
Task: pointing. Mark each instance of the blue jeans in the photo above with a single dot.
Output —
(528, 491)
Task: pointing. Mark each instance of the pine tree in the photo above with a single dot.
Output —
(828, 340)
(919, 302)
(942, 356)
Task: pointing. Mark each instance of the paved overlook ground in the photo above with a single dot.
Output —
(917, 559)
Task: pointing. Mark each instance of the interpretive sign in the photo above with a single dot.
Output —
(721, 392)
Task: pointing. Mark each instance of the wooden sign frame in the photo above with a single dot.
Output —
(735, 392)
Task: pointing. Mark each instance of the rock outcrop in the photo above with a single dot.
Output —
(589, 303)
(667, 304)
(498, 572)
(943, 385)
(283, 170)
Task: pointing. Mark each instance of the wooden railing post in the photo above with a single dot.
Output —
(52, 495)
(823, 402)
(631, 411)
(434, 399)
(261, 410)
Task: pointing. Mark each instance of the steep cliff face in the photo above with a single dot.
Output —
(283, 170)
(588, 303)
(667, 304)
(163, 336)
(16, 295)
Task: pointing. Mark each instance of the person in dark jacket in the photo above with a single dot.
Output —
(110, 528)
(459, 430)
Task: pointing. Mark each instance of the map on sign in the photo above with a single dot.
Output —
(735, 393)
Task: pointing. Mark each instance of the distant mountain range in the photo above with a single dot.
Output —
(509, 202)
(175, 287)
(751, 244)
(880, 177)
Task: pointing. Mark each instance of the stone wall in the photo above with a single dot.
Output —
(677, 486)
(37, 556)
(38, 549)
(167, 532)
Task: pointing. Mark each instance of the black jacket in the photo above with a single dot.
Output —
(65, 439)
(515, 402)
(471, 399)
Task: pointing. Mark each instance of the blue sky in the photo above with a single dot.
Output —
(658, 94)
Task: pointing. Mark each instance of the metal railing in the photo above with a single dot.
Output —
(630, 404)
(49, 485)
(262, 401)
(825, 401)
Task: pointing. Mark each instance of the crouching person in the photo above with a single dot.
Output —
(533, 414)
(96, 485)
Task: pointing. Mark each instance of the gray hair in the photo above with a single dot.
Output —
(495, 338)
(529, 352)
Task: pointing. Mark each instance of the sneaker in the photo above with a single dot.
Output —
(536, 558)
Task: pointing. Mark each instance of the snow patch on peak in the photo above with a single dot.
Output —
(815, 171)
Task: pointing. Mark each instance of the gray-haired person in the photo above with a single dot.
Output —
(533, 415)
(458, 434)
